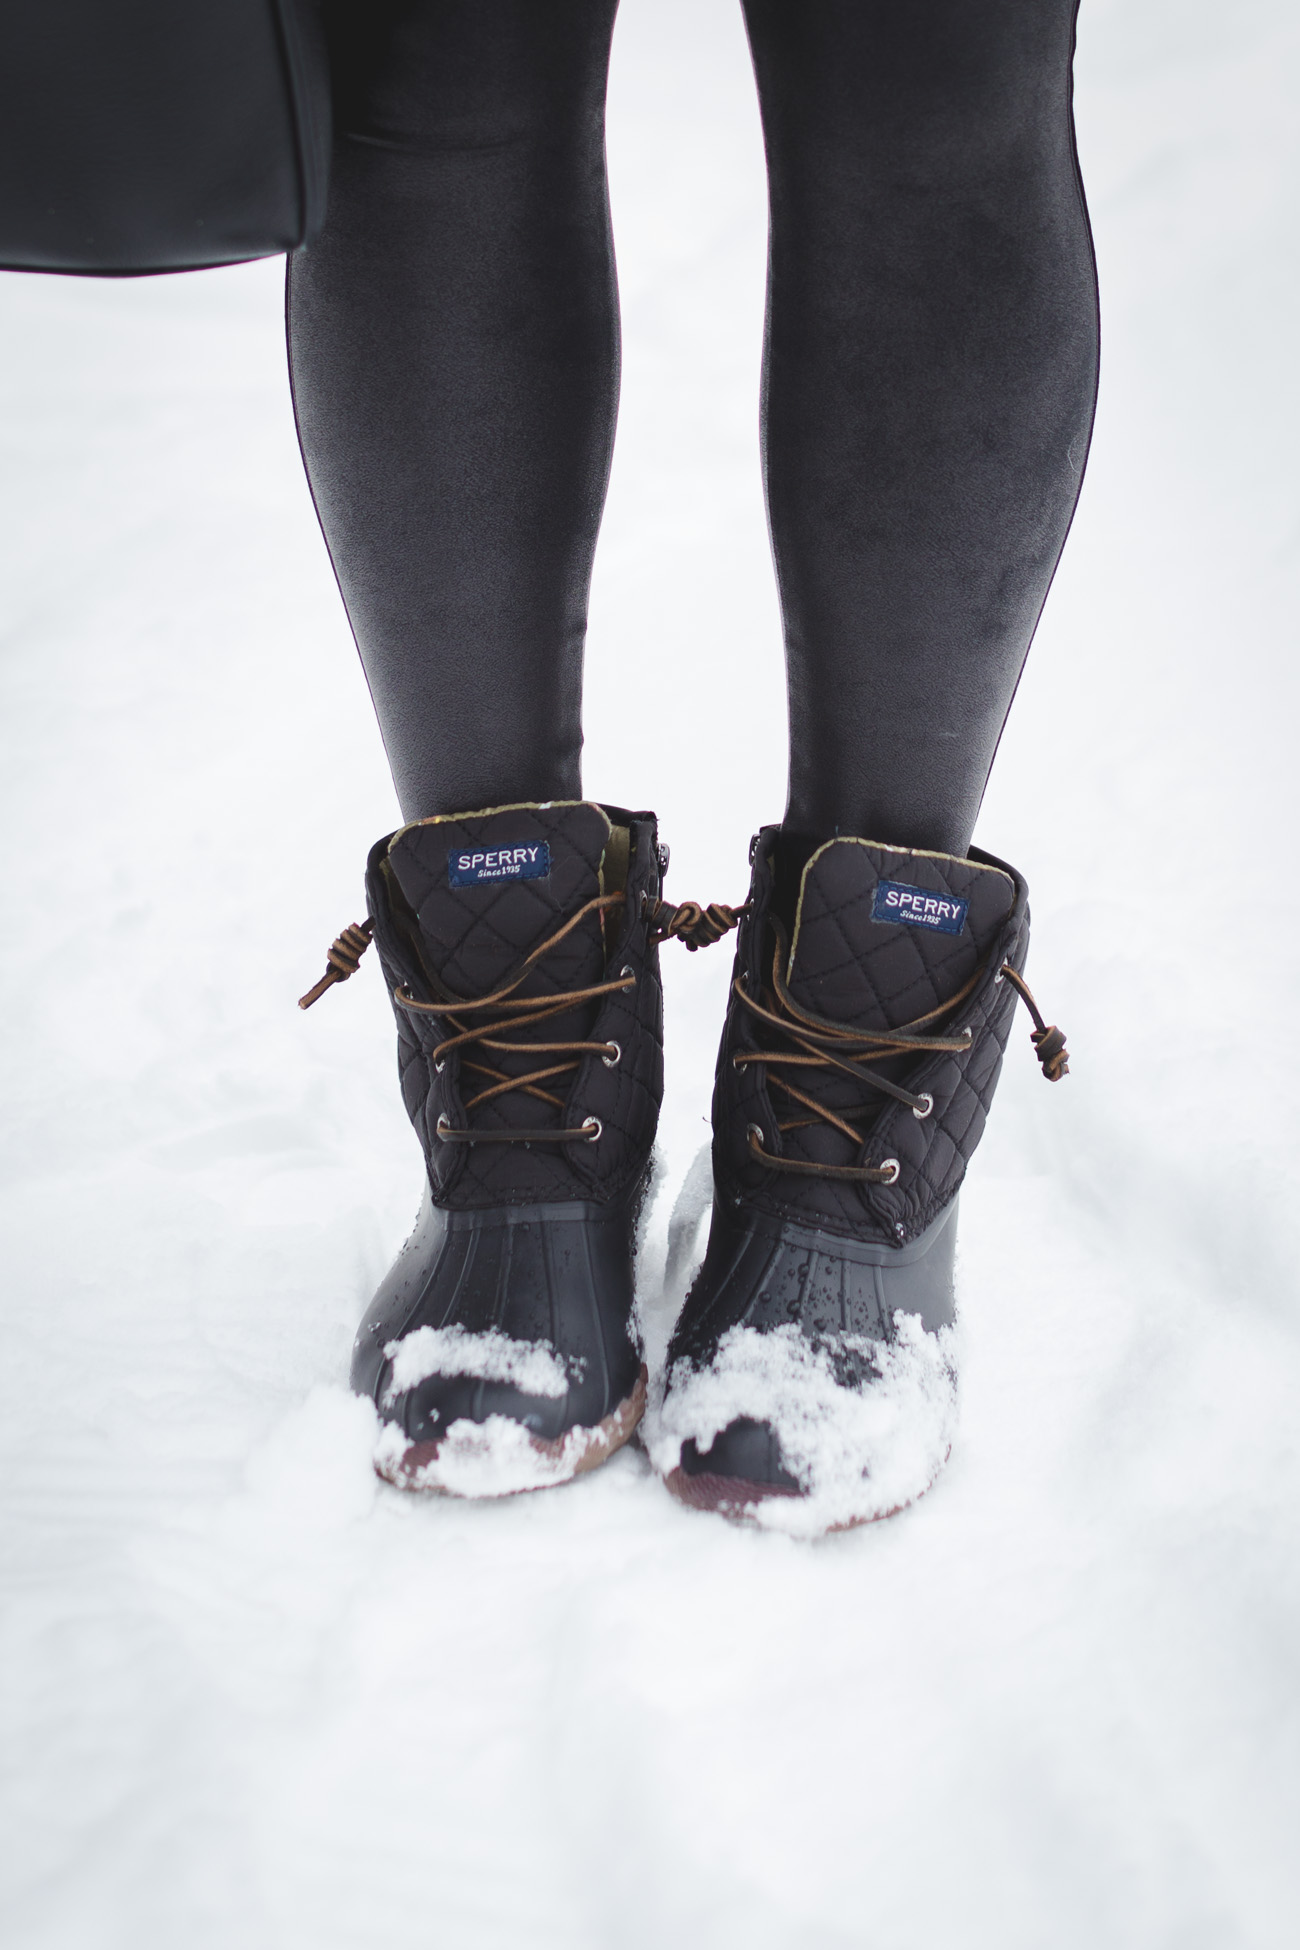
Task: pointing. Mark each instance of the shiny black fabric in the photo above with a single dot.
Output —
(454, 351)
(928, 388)
(145, 136)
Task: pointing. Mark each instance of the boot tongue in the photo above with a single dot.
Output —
(884, 934)
(486, 888)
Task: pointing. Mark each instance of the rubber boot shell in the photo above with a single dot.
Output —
(501, 1350)
(830, 1300)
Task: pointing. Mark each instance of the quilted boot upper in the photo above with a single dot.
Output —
(882, 938)
(459, 906)
(810, 1375)
(501, 1349)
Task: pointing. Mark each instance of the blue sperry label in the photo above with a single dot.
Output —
(473, 866)
(895, 901)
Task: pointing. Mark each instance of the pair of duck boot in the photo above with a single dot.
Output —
(810, 1380)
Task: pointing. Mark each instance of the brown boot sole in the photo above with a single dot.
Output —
(733, 1498)
(569, 1455)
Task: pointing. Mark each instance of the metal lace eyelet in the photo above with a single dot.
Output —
(626, 974)
(438, 1066)
(754, 1133)
(443, 1126)
(617, 1048)
(928, 1102)
(591, 1129)
(892, 1166)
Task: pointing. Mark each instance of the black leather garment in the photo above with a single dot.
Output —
(145, 136)
(930, 371)
(517, 946)
(870, 1009)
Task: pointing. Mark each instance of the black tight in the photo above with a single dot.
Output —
(931, 372)
(928, 388)
(454, 346)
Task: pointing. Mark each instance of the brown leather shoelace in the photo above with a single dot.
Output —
(809, 1042)
(694, 926)
(504, 1014)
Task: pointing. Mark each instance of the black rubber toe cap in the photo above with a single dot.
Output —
(428, 1410)
(551, 1280)
(745, 1452)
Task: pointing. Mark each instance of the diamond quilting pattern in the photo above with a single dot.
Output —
(506, 923)
(846, 967)
(472, 937)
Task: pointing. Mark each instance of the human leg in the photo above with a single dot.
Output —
(929, 378)
(454, 352)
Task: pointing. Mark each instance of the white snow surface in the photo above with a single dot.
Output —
(857, 1453)
(249, 1694)
(531, 1365)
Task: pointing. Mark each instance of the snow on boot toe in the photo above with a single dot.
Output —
(851, 1453)
(871, 1001)
(501, 1350)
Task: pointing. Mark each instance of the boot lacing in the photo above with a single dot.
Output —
(1047, 1039)
(696, 926)
(342, 960)
(819, 1043)
(511, 1012)
(689, 923)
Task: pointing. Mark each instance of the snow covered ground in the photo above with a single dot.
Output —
(254, 1698)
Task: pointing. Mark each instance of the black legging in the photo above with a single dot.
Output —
(928, 390)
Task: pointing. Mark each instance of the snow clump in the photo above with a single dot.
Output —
(857, 1452)
(532, 1366)
(495, 1457)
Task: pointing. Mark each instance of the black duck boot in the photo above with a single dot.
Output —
(519, 950)
(811, 1381)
